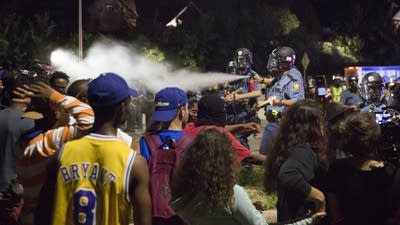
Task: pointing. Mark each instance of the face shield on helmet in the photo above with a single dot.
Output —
(272, 64)
(372, 87)
(243, 58)
(280, 60)
(312, 83)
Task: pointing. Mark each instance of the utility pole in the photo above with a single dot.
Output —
(80, 47)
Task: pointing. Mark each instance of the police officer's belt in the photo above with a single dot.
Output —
(273, 116)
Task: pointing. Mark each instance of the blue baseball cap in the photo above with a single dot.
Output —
(167, 102)
(109, 89)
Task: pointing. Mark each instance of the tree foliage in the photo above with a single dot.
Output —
(359, 32)
(344, 48)
(23, 40)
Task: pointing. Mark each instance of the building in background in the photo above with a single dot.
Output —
(109, 16)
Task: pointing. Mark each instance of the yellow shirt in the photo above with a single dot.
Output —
(93, 182)
(337, 92)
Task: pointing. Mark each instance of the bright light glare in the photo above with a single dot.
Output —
(57, 56)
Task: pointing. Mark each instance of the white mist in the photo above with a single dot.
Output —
(110, 56)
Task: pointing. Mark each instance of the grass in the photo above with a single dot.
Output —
(253, 183)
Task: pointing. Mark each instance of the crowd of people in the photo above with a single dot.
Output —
(66, 156)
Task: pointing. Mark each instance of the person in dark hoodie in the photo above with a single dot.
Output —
(211, 112)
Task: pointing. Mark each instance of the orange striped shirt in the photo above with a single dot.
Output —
(49, 142)
(32, 163)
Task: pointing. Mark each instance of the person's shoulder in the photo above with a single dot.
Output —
(140, 161)
(302, 151)
(301, 148)
(347, 91)
(237, 189)
(124, 137)
(294, 70)
(167, 132)
(239, 193)
(189, 126)
(295, 73)
(77, 141)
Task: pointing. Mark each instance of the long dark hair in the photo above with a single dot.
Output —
(208, 167)
(302, 124)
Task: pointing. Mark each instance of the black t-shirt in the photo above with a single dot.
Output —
(294, 183)
(363, 196)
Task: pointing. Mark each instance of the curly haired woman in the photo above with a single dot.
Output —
(205, 185)
(297, 154)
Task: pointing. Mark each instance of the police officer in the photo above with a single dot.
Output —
(312, 88)
(395, 98)
(386, 115)
(240, 110)
(351, 96)
(286, 88)
(242, 65)
(372, 93)
(337, 88)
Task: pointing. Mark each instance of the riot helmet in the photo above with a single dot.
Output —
(312, 83)
(337, 80)
(395, 100)
(230, 68)
(353, 81)
(372, 87)
(280, 60)
(243, 58)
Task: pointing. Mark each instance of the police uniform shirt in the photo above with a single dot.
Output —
(289, 86)
(296, 75)
(350, 98)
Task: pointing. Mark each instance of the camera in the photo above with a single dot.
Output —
(382, 118)
(389, 122)
(320, 82)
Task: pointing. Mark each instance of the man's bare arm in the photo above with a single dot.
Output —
(139, 191)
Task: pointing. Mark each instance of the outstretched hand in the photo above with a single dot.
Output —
(255, 127)
(230, 97)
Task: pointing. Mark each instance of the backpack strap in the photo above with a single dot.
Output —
(184, 142)
(153, 141)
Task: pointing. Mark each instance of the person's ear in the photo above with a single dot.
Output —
(180, 113)
(122, 113)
